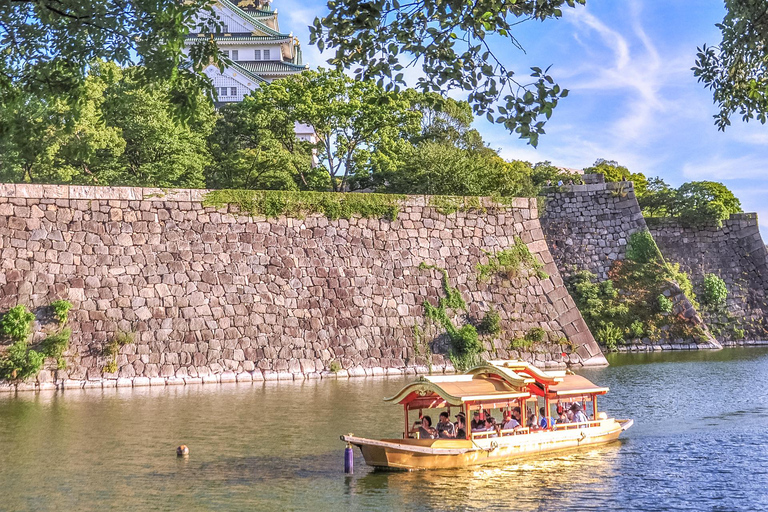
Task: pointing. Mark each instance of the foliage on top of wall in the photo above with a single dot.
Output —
(274, 203)
(510, 261)
(452, 204)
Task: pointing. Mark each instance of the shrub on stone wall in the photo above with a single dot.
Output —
(16, 324)
(491, 323)
(663, 304)
(715, 291)
(631, 303)
(510, 262)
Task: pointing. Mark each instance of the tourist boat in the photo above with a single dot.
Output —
(491, 387)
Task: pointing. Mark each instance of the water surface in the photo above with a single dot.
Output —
(699, 443)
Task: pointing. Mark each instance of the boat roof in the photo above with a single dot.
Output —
(493, 382)
(572, 385)
(440, 390)
(517, 372)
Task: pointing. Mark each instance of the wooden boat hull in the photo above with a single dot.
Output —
(414, 454)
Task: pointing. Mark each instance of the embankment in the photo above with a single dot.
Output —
(213, 295)
(736, 253)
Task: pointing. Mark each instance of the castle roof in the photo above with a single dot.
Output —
(250, 18)
(273, 67)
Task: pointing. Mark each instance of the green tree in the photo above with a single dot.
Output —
(736, 70)
(704, 201)
(49, 45)
(90, 151)
(352, 119)
(614, 172)
(449, 38)
(436, 168)
(447, 121)
(160, 151)
(658, 199)
(29, 139)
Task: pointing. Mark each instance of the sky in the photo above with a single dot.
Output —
(633, 97)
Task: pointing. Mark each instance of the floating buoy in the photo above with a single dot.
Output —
(349, 460)
(182, 451)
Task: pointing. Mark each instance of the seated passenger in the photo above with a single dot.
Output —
(545, 421)
(461, 426)
(578, 415)
(475, 423)
(509, 421)
(561, 416)
(445, 428)
(425, 430)
(491, 425)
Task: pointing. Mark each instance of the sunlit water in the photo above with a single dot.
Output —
(700, 442)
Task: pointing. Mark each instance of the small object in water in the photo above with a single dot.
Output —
(182, 451)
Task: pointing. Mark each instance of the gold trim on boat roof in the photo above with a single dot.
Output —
(516, 366)
(457, 389)
(576, 385)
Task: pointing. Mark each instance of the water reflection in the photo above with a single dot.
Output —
(524, 485)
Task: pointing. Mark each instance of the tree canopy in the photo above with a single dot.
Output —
(736, 70)
(450, 40)
(119, 132)
(50, 45)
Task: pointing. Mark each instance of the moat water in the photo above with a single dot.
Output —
(700, 442)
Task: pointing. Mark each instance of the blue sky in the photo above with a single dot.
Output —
(633, 97)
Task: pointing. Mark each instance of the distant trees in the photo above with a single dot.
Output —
(695, 202)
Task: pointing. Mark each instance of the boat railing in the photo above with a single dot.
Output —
(485, 434)
(583, 424)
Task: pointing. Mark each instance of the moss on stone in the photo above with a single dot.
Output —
(334, 205)
(510, 261)
(452, 204)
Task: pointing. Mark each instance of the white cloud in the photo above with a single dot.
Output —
(721, 168)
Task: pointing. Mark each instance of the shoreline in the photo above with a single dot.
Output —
(257, 375)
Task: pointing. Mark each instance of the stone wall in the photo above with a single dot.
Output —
(215, 296)
(587, 227)
(737, 254)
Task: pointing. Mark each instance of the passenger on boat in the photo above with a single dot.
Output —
(532, 423)
(578, 415)
(475, 423)
(461, 426)
(509, 421)
(561, 416)
(491, 425)
(425, 430)
(445, 428)
(545, 421)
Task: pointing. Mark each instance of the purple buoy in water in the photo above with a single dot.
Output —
(349, 460)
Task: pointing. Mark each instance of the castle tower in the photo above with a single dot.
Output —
(250, 37)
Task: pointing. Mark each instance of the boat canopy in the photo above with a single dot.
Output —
(575, 385)
(494, 382)
(445, 390)
(521, 369)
